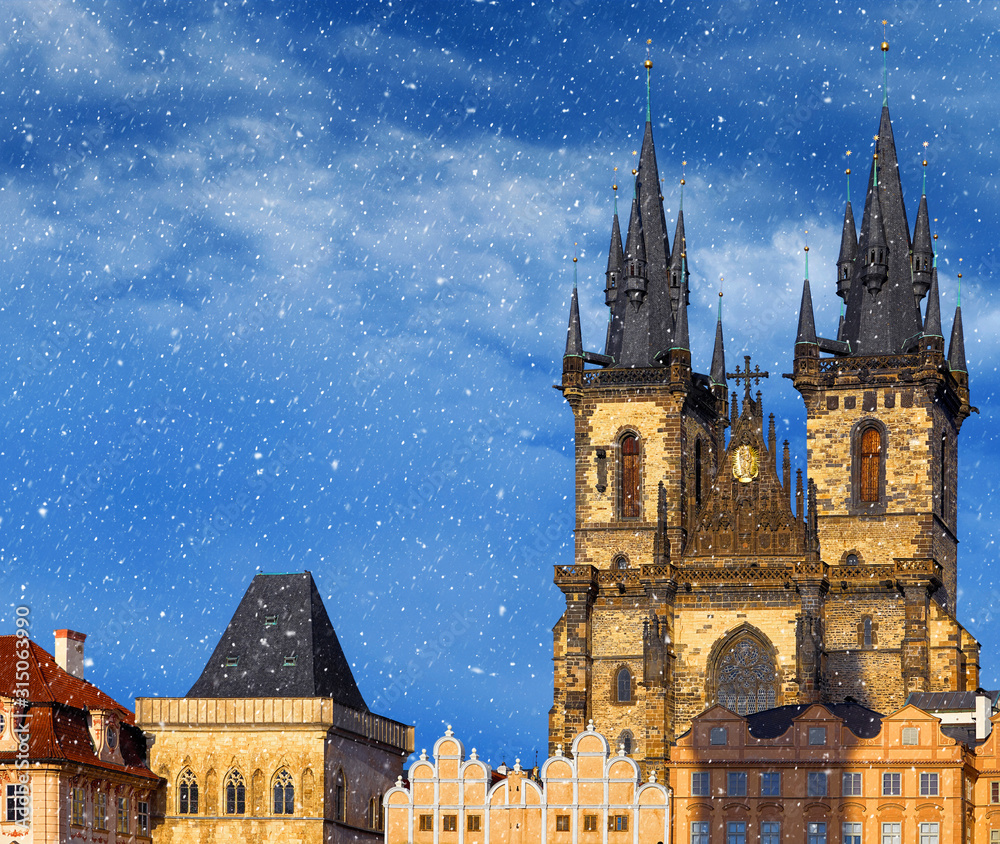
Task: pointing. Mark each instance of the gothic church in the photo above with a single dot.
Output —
(704, 571)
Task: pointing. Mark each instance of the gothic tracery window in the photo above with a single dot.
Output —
(284, 793)
(187, 786)
(236, 794)
(746, 680)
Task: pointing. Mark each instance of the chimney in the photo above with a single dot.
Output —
(984, 711)
(69, 651)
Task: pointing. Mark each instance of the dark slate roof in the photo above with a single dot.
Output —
(283, 644)
(948, 701)
(771, 723)
(956, 349)
(574, 337)
(883, 323)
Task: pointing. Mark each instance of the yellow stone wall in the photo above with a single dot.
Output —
(312, 738)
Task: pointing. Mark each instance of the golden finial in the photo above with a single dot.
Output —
(635, 172)
(615, 186)
(874, 138)
(885, 44)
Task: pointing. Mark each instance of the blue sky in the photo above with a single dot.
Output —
(285, 287)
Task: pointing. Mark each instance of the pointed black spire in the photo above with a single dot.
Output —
(574, 336)
(718, 373)
(932, 322)
(923, 251)
(881, 314)
(616, 264)
(677, 270)
(956, 349)
(874, 261)
(806, 335)
(848, 252)
(681, 340)
(635, 258)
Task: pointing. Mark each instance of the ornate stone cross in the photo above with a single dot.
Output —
(747, 376)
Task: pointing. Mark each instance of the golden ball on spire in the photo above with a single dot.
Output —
(885, 46)
(614, 187)
(683, 182)
(925, 162)
(807, 249)
(574, 259)
(634, 171)
(848, 171)
(648, 64)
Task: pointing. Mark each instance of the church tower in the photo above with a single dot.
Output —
(885, 405)
(704, 572)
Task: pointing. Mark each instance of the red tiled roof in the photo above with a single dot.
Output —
(48, 683)
(57, 713)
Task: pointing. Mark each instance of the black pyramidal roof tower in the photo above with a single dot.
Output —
(280, 643)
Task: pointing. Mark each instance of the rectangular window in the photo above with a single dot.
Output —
(816, 833)
(770, 784)
(142, 818)
(891, 833)
(562, 823)
(426, 823)
(911, 736)
(77, 812)
(270, 621)
(474, 823)
(816, 784)
(817, 735)
(736, 784)
(232, 661)
(770, 832)
(995, 792)
(851, 785)
(100, 810)
(17, 803)
(928, 784)
(290, 661)
(852, 833)
(618, 823)
(929, 833)
(736, 832)
(121, 820)
(717, 736)
(699, 832)
(995, 836)
(590, 823)
(891, 785)
(449, 823)
(700, 784)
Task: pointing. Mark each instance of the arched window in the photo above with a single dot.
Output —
(746, 681)
(620, 563)
(375, 817)
(867, 631)
(236, 793)
(871, 465)
(340, 797)
(284, 793)
(187, 789)
(625, 741)
(623, 683)
(629, 486)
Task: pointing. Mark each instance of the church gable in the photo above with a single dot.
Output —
(748, 510)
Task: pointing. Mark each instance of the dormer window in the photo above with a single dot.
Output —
(290, 661)
(270, 621)
(232, 661)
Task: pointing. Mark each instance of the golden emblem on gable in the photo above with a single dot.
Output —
(745, 463)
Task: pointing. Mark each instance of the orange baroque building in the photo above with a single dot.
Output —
(588, 795)
(829, 773)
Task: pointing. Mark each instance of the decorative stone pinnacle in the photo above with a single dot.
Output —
(590, 726)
